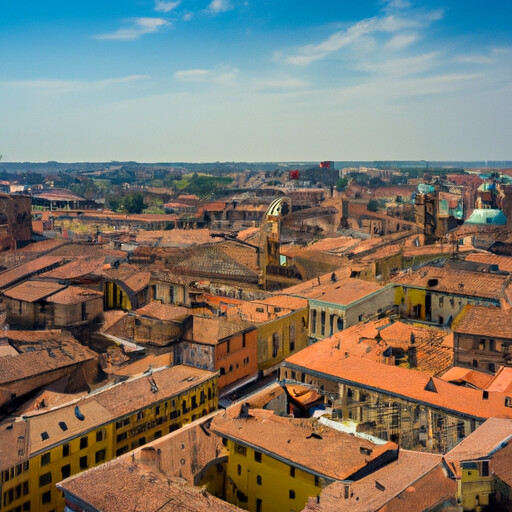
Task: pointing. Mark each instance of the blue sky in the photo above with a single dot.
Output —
(266, 80)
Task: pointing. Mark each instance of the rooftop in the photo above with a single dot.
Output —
(343, 291)
(326, 452)
(166, 312)
(97, 409)
(413, 476)
(457, 282)
(75, 295)
(484, 321)
(11, 276)
(31, 291)
(407, 384)
(213, 330)
(489, 437)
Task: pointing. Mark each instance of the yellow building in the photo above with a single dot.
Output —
(275, 464)
(43, 447)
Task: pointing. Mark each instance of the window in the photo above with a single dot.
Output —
(242, 450)
(25, 488)
(257, 456)
(485, 468)
(475, 363)
(101, 435)
(322, 323)
(317, 481)
(313, 321)
(140, 415)
(83, 462)
(157, 410)
(84, 441)
(492, 367)
(26, 506)
(259, 504)
(339, 324)
(66, 470)
(46, 497)
(492, 345)
(275, 344)
(238, 469)
(45, 459)
(244, 341)
(100, 456)
(122, 450)
(65, 449)
(222, 371)
(360, 317)
(158, 434)
(481, 345)
(228, 346)
(194, 402)
(122, 437)
(292, 472)
(258, 479)
(291, 494)
(84, 311)
(45, 479)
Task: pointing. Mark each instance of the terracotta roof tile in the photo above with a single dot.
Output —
(132, 278)
(28, 364)
(402, 478)
(164, 311)
(484, 321)
(330, 453)
(482, 442)
(213, 330)
(458, 282)
(74, 295)
(504, 262)
(31, 291)
(501, 465)
(11, 276)
(408, 384)
(457, 375)
(74, 269)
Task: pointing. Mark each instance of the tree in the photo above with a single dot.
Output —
(341, 184)
(373, 205)
(134, 203)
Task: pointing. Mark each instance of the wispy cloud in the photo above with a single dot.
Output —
(136, 28)
(163, 6)
(286, 83)
(401, 41)
(192, 75)
(225, 77)
(400, 67)
(218, 6)
(72, 85)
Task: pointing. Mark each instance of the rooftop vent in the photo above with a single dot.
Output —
(379, 486)
(78, 414)
(485, 395)
(432, 282)
(154, 387)
(365, 451)
(63, 426)
(44, 436)
(430, 386)
(314, 435)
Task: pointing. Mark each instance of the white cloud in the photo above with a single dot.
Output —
(313, 52)
(401, 67)
(226, 77)
(72, 85)
(138, 27)
(401, 41)
(163, 6)
(217, 6)
(188, 16)
(192, 75)
(287, 83)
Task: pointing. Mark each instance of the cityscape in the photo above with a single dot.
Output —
(255, 256)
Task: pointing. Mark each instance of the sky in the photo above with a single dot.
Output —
(255, 80)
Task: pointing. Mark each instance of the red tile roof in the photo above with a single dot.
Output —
(484, 321)
(330, 453)
(31, 291)
(11, 276)
(213, 330)
(164, 311)
(457, 282)
(407, 384)
(74, 295)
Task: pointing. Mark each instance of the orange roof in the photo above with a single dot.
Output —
(408, 384)
(164, 311)
(480, 443)
(343, 291)
(14, 274)
(75, 269)
(477, 379)
(502, 381)
(132, 278)
(75, 295)
(33, 290)
(457, 282)
(504, 262)
(484, 321)
(213, 330)
(330, 453)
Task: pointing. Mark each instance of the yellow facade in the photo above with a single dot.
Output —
(30, 485)
(259, 482)
(115, 297)
(412, 299)
(476, 486)
(281, 338)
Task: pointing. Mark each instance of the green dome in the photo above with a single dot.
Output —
(487, 216)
